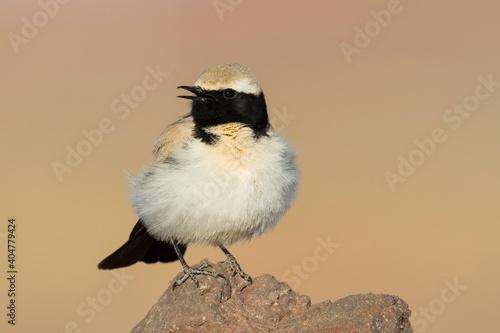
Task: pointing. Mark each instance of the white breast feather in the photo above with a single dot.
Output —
(204, 195)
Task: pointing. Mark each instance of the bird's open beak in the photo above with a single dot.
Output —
(198, 93)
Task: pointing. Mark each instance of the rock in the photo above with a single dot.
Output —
(267, 305)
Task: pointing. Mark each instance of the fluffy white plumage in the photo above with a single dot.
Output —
(218, 194)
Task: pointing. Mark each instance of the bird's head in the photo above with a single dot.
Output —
(228, 93)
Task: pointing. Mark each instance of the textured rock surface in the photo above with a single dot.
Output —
(267, 305)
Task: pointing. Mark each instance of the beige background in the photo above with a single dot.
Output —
(349, 122)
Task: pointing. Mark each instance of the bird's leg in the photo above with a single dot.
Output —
(234, 265)
(190, 272)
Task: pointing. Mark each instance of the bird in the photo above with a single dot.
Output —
(219, 174)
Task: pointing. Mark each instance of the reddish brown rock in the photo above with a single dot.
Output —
(268, 305)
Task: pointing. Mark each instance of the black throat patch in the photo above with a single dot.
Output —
(247, 109)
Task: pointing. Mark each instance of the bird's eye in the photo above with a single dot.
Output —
(229, 93)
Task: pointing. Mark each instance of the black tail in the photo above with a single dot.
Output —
(140, 247)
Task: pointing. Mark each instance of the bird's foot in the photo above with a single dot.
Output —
(190, 272)
(235, 267)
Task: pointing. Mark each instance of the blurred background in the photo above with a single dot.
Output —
(392, 106)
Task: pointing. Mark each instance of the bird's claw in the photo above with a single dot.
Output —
(190, 272)
(235, 267)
